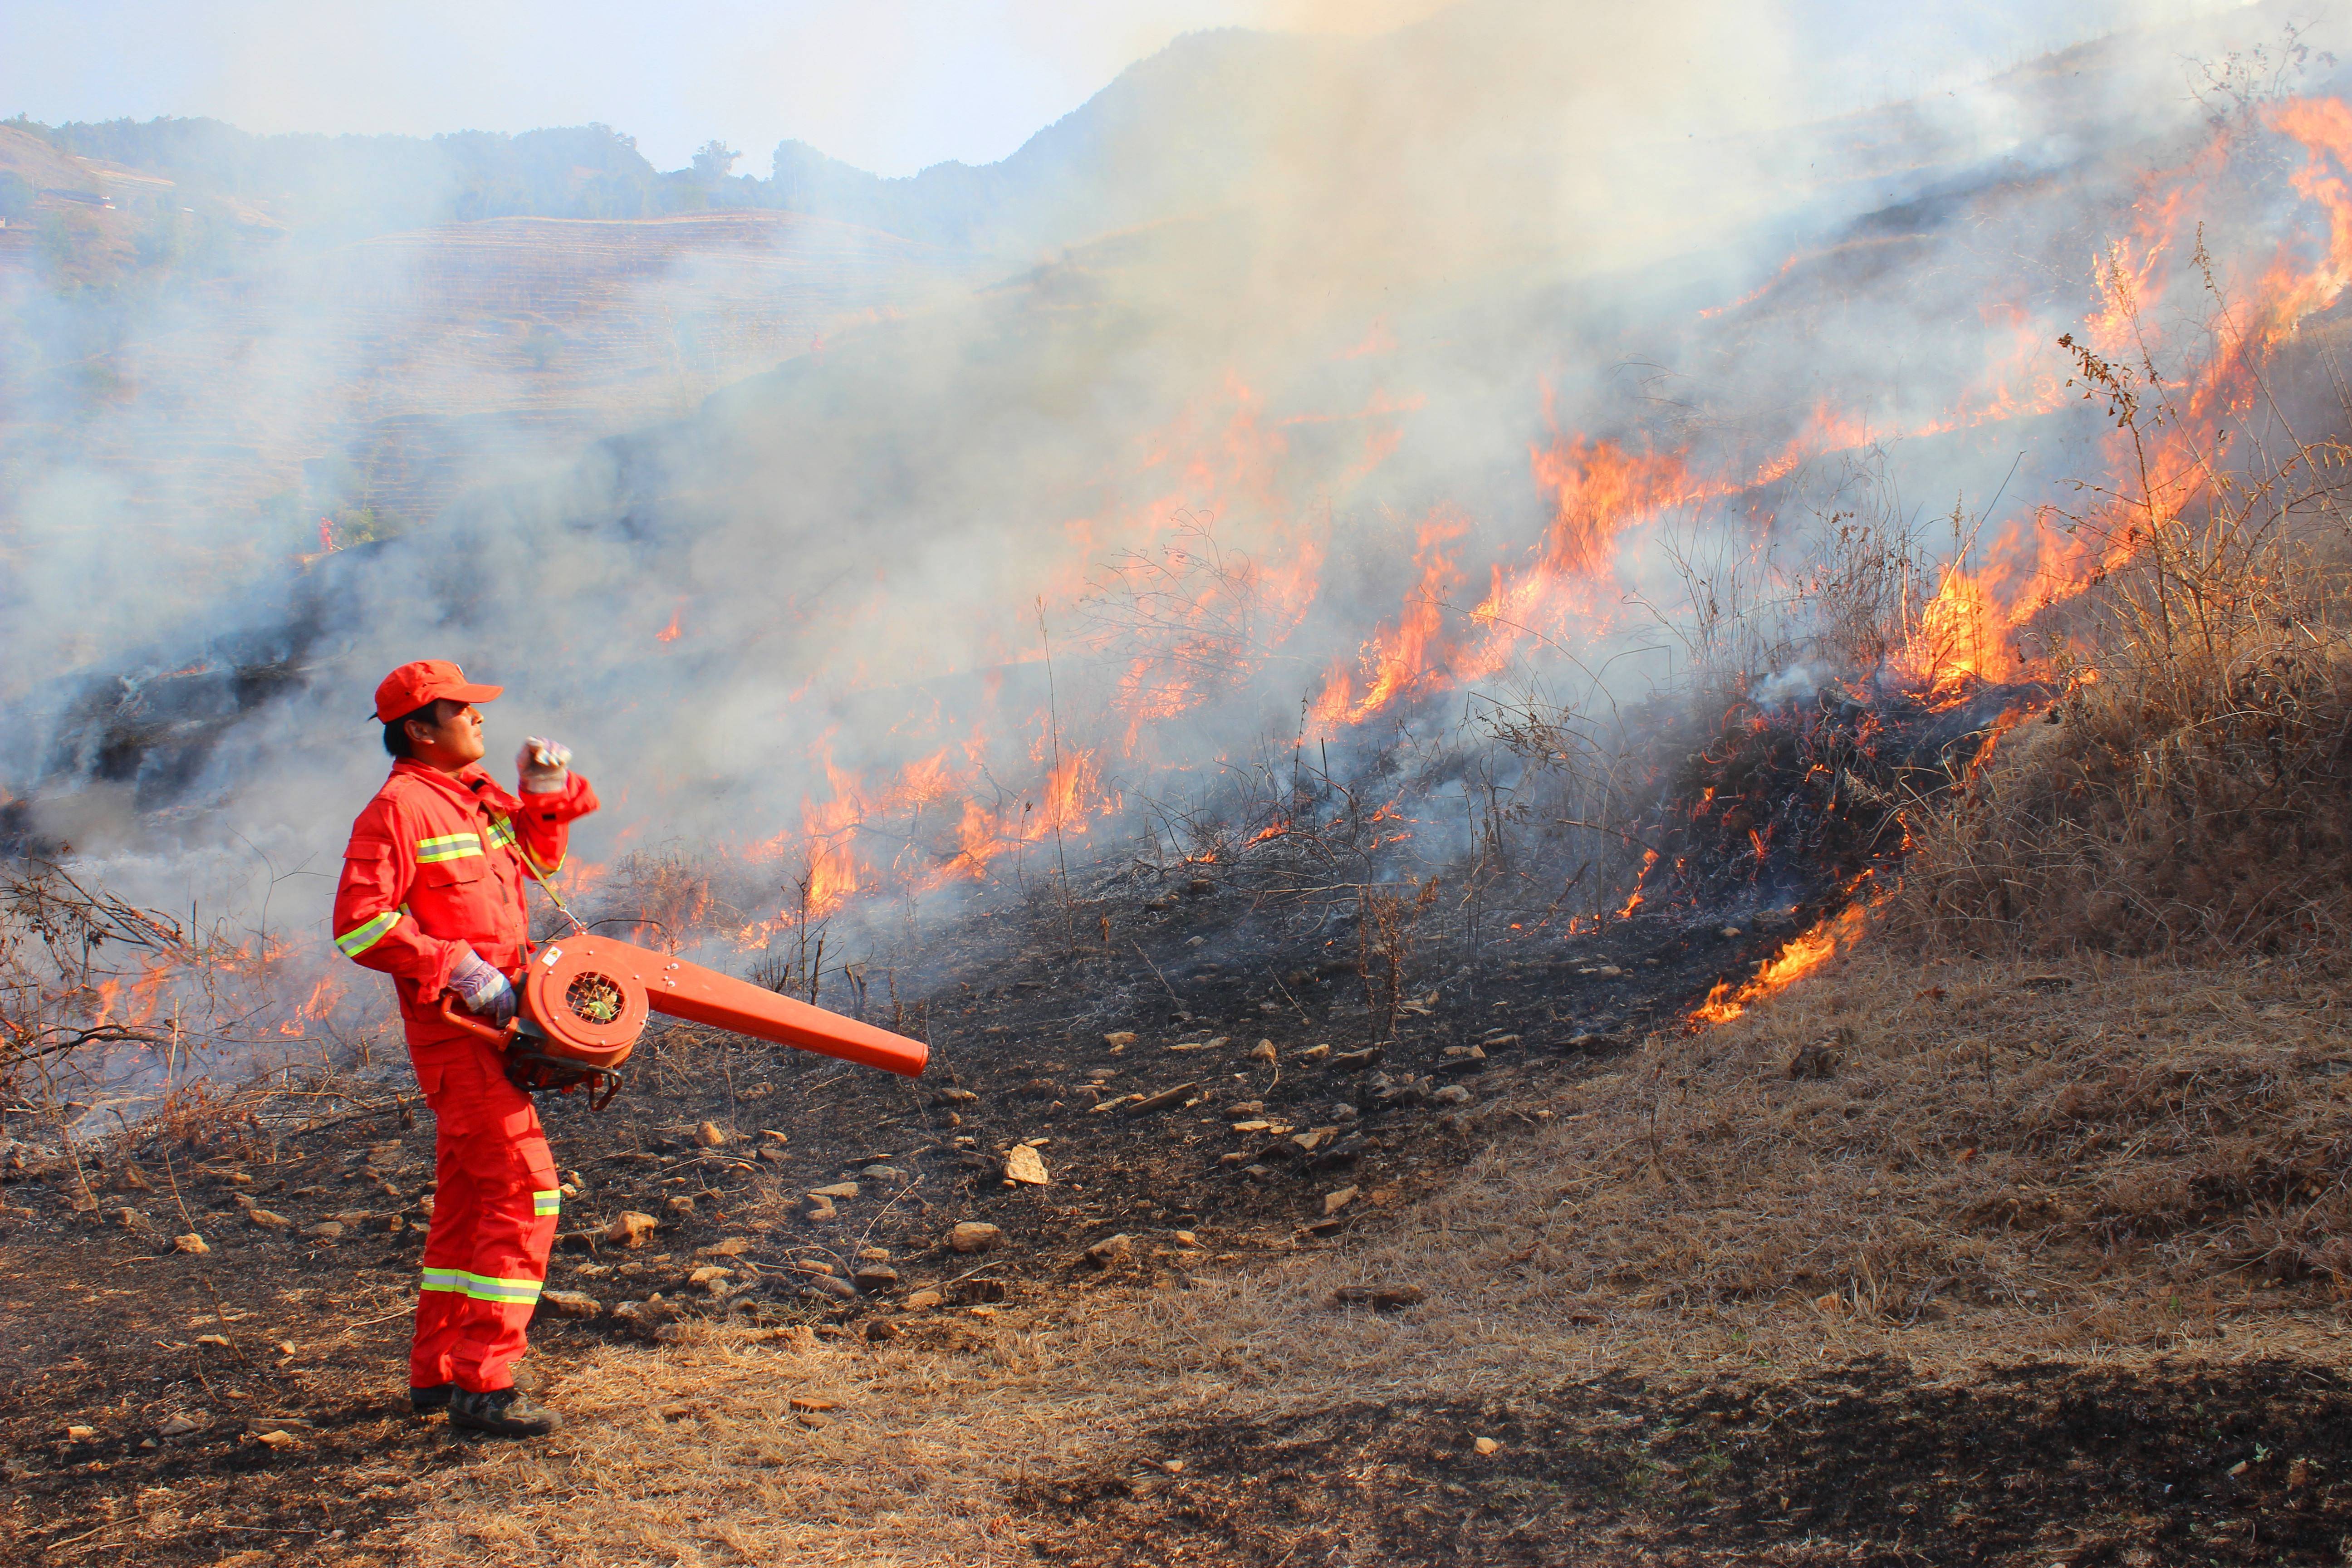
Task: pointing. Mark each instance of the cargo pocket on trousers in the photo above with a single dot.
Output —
(546, 1188)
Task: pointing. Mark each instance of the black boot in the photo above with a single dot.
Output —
(501, 1412)
(426, 1401)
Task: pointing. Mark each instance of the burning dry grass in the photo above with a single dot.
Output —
(2201, 798)
(1968, 1164)
(2193, 787)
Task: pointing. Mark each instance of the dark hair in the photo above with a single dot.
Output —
(433, 715)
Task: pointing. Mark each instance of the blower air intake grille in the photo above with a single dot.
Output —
(595, 997)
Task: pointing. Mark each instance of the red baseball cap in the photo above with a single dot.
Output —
(412, 686)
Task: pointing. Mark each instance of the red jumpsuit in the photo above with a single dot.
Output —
(434, 865)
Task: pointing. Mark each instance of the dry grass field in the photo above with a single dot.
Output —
(2100, 1175)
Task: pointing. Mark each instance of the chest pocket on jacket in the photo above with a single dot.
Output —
(449, 860)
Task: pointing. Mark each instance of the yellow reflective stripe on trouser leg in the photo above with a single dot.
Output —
(443, 1280)
(490, 1287)
(359, 939)
(548, 1202)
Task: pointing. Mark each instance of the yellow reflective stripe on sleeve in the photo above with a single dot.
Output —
(443, 1280)
(544, 871)
(547, 1202)
(359, 939)
(502, 833)
(448, 846)
(490, 1287)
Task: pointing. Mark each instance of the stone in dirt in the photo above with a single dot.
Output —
(883, 1174)
(871, 1277)
(1023, 1163)
(190, 1242)
(1263, 1051)
(923, 1301)
(1380, 1298)
(1486, 1446)
(1315, 1054)
(881, 1331)
(129, 1219)
(181, 1424)
(1333, 1202)
(975, 1235)
(827, 1285)
(954, 1097)
(1111, 1250)
(818, 1210)
(630, 1228)
(709, 1273)
(1119, 1037)
(681, 1206)
(873, 1254)
(1185, 1238)
(267, 1219)
(569, 1304)
(733, 1246)
(837, 1190)
(325, 1230)
(1451, 1094)
(711, 1135)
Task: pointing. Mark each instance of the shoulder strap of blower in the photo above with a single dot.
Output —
(506, 826)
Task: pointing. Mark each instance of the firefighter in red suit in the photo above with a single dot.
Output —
(432, 894)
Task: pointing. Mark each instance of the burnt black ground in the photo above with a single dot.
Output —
(2057, 1464)
(107, 1323)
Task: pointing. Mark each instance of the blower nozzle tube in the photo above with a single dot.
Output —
(699, 995)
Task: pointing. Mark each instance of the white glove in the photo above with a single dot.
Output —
(485, 991)
(545, 765)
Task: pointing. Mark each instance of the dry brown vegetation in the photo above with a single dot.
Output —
(2116, 1164)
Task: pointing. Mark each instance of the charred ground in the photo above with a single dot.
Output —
(118, 1331)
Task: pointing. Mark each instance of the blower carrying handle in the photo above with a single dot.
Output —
(453, 1012)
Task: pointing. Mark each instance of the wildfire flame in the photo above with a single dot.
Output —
(1798, 959)
(987, 784)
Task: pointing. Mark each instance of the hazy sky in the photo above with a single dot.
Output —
(890, 84)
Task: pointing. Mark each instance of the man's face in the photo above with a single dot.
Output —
(453, 745)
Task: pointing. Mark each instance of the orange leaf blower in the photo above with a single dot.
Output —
(585, 999)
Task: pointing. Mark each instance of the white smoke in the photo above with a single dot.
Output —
(1346, 283)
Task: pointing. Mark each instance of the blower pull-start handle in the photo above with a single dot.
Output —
(453, 1013)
